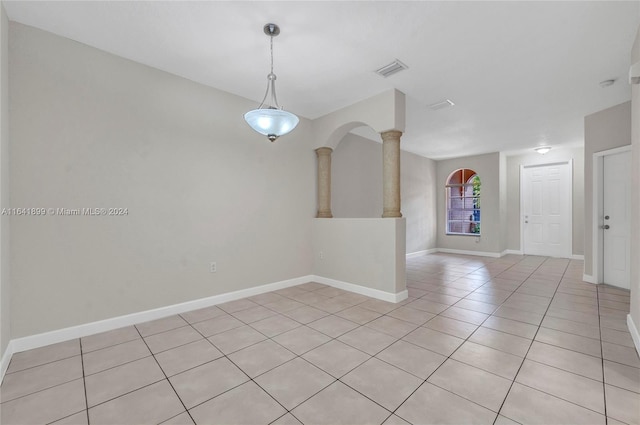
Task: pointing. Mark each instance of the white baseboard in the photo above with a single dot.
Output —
(481, 253)
(363, 290)
(634, 332)
(465, 252)
(588, 278)
(423, 252)
(6, 358)
(65, 334)
(40, 340)
(577, 257)
(511, 251)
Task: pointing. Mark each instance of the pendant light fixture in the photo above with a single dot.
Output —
(270, 119)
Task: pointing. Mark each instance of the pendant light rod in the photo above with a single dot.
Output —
(272, 30)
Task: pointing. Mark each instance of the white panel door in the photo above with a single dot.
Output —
(615, 222)
(546, 210)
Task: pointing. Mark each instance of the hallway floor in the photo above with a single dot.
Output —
(518, 339)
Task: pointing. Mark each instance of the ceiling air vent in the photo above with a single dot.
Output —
(441, 105)
(394, 67)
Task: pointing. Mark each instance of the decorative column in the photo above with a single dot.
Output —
(324, 182)
(391, 173)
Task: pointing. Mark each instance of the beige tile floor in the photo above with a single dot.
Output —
(495, 341)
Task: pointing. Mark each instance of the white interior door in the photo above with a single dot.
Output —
(546, 209)
(616, 223)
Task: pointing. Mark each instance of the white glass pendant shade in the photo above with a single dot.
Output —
(271, 122)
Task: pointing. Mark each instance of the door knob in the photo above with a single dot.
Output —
(606, 217)
(605, 227)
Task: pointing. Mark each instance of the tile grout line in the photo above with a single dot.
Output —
(165, 377)
(43, 364)
(604, 386)
(122, 343)
(46, 388)
(112, 345)
(84, 382)
(86, 409)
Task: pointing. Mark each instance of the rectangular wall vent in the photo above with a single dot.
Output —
(393, 68)
(442, 104)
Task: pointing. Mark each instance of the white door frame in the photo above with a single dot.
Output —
(597, 242)
(522, 167)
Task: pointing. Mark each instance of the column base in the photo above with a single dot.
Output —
(391, 214)
(324, 214)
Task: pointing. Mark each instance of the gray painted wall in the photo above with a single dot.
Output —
(607, 129)
(89, 129)
(356, 188)
(418, 180)
(5, 284)
(635, 196)
(356, 178)
(504, 183)
(368, 252)
(513, 192)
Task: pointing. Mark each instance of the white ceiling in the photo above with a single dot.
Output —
(522, 74)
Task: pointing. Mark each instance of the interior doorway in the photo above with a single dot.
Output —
(612, 217)
(546, 206)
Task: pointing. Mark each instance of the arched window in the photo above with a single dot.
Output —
(463, 203)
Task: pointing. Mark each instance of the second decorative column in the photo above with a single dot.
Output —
(391, 173)
(324, 182)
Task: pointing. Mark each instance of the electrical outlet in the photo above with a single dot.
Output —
(321, 255)
(477, 240)
(213, 267)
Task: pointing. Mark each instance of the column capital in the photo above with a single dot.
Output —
(391, 135)
(324, 151)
